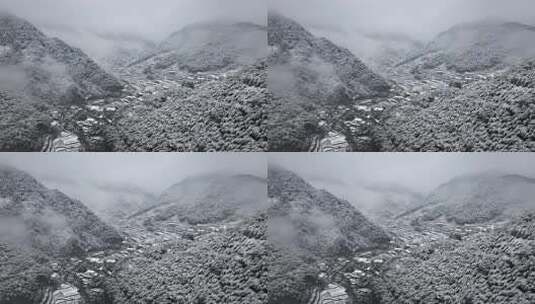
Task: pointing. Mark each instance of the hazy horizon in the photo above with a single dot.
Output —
(151, 20)
(419, 19)
(89, 177)
(419, 172)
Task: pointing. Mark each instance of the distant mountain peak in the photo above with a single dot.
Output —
(482, 45)
(479, 198)
(490, 23)
(209, 46)
(487, 176)
(217, 24)
(209, 198)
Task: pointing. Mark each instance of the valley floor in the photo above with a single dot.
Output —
(361, 278)
(379, 119)
(113, 123)
(84, 279)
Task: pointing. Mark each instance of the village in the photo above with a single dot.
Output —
(352, 278)
(412, 86)
(78, 127)
(80, 280)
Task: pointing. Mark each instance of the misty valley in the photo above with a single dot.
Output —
(285, 83)
(200, 89)
(201, 241)
(279, 237)
(468, 241)
(243, 84)
(338, 88)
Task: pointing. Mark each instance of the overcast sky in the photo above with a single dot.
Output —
(157, 171)
(419, 171)
(150, 171)
(154, 172)
(420, 18)
(154, 18)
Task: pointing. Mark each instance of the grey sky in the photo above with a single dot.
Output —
(419, 171)
(420, 18)
(151, 171)
(155, 18)
(154, 172)
(157, 171)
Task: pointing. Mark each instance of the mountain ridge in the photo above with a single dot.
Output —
(297, 200)
(53, 70)
(479, 45)
(309, 77)
(209, 198)
(477, 198)
(48, 220)
(208, 46)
